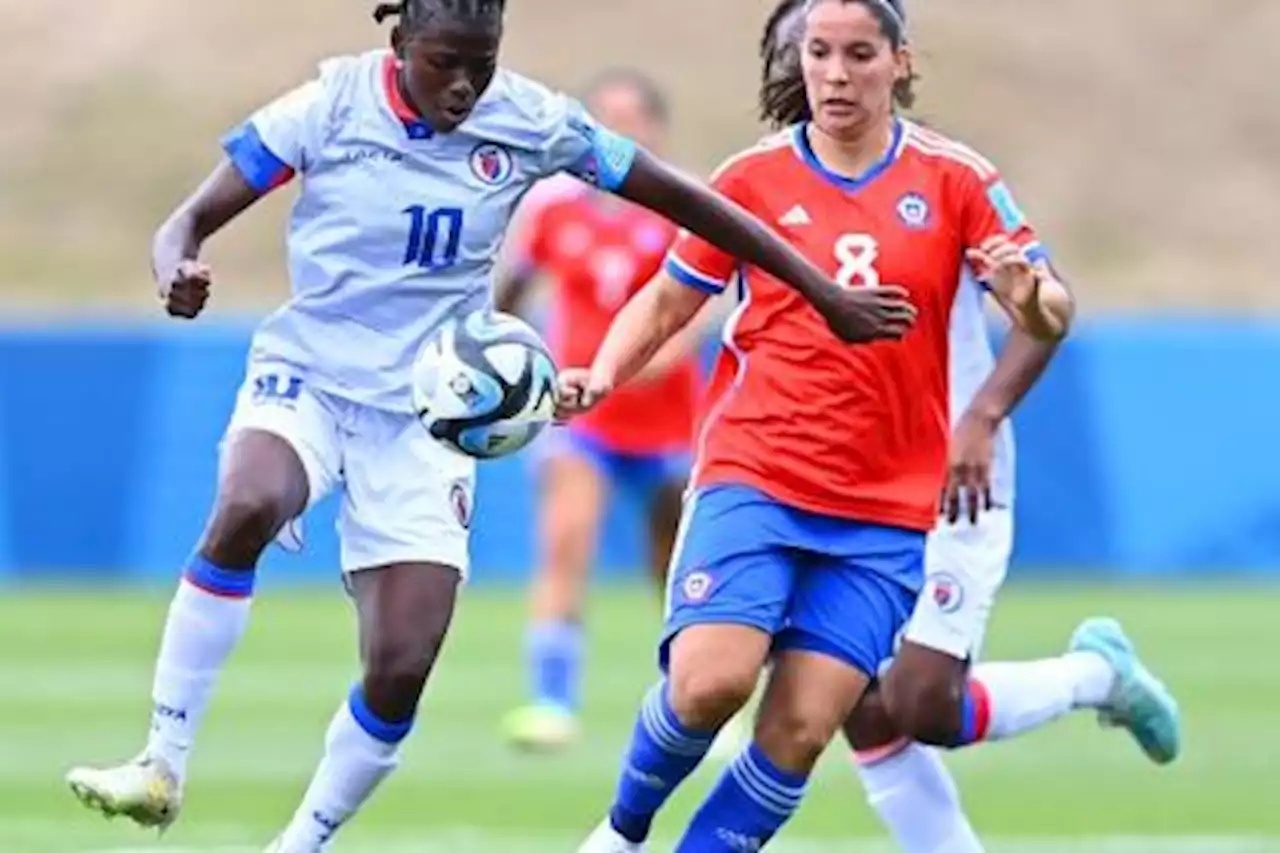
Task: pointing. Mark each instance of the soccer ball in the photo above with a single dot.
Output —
(485, 385)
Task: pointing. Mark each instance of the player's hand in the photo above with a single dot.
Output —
(968, 488)
(860, 315)
(579, 393)
(1003, 266)
(185, 290)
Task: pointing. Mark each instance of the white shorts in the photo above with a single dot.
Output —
(405, 496)
(965, 565)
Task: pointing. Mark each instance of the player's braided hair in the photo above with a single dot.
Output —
(415, 14)
(782, 98)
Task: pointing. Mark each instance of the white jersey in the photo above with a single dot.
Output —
(397, 228)
(972, 359)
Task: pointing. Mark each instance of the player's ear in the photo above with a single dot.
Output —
(397, 41)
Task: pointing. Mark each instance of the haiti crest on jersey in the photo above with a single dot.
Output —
(492, 163)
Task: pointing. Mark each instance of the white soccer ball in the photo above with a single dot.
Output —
(485, 385)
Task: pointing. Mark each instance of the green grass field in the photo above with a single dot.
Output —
(75, 672)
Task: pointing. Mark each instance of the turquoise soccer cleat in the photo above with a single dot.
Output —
(1140, 702)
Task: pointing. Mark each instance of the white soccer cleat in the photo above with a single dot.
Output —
(145, 790)
(606, 839)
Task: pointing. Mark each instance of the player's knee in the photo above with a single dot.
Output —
(793, 736)
(396, 670)
(705, 697)
(870, 727)
(926, 709)
(247, 518)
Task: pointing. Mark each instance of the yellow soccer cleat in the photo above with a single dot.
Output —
(145, 790)
(541, 728)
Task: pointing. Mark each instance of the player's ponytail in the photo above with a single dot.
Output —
(388, 10)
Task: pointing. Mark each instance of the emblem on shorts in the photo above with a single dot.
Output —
(275, 389)
(491, 163)
(696, 587)
(460, 500)
(913, 210)
(946, 592)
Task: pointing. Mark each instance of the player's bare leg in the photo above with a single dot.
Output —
(931, 697)
(665, 508)
(261, 487)
(572, 501)
(807, 698)
(712, 672)
(404, 613)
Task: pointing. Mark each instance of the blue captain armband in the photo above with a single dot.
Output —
(609, 160)
(258, 165)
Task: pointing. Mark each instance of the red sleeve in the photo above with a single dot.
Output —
(695, 262)
(989, 210)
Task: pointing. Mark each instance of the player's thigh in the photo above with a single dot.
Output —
(279, 455)
(808, 697)
(406, 498)
(573, 479)
(664, 500)
(965, 566)
(727, 595)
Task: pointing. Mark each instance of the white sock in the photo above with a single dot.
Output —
(354, 763)
(1025, 696)
(199, 634)
(917, 800)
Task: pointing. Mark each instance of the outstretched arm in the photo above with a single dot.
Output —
(855, 315)
(650, 321)
(175, 251)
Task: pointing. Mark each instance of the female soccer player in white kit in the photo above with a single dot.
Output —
(411, 162)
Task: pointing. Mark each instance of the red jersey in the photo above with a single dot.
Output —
(853, 431)
(598, 251)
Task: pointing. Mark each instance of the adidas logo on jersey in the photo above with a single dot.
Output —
(795, 216)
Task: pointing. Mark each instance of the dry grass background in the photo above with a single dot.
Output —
(1143, 135)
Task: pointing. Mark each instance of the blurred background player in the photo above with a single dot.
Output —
(928, 688)
(428, 146)
(595, 251)
(820, 466)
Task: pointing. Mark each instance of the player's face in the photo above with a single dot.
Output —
(850, 67)
(447, 70)
(622, 109)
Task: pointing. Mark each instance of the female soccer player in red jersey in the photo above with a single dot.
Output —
(819, 467)
(595, 251)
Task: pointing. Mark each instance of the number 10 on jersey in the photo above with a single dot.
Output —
(434, 236)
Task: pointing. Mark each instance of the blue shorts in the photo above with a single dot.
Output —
(813, 582)
(643, 474)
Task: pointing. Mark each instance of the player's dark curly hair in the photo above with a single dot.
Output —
(415, 14)
(782, 96)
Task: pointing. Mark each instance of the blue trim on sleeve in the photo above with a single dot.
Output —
(688, 277)
(614, 155)
(1038, 253)
(258, 165)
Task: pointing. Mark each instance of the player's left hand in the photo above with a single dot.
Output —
(968, 486)
(580, 392)
(1003, 266)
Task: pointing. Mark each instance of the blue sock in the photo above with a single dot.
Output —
(375, 726)
(663, 752)
(555, 663)
(747, 807)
